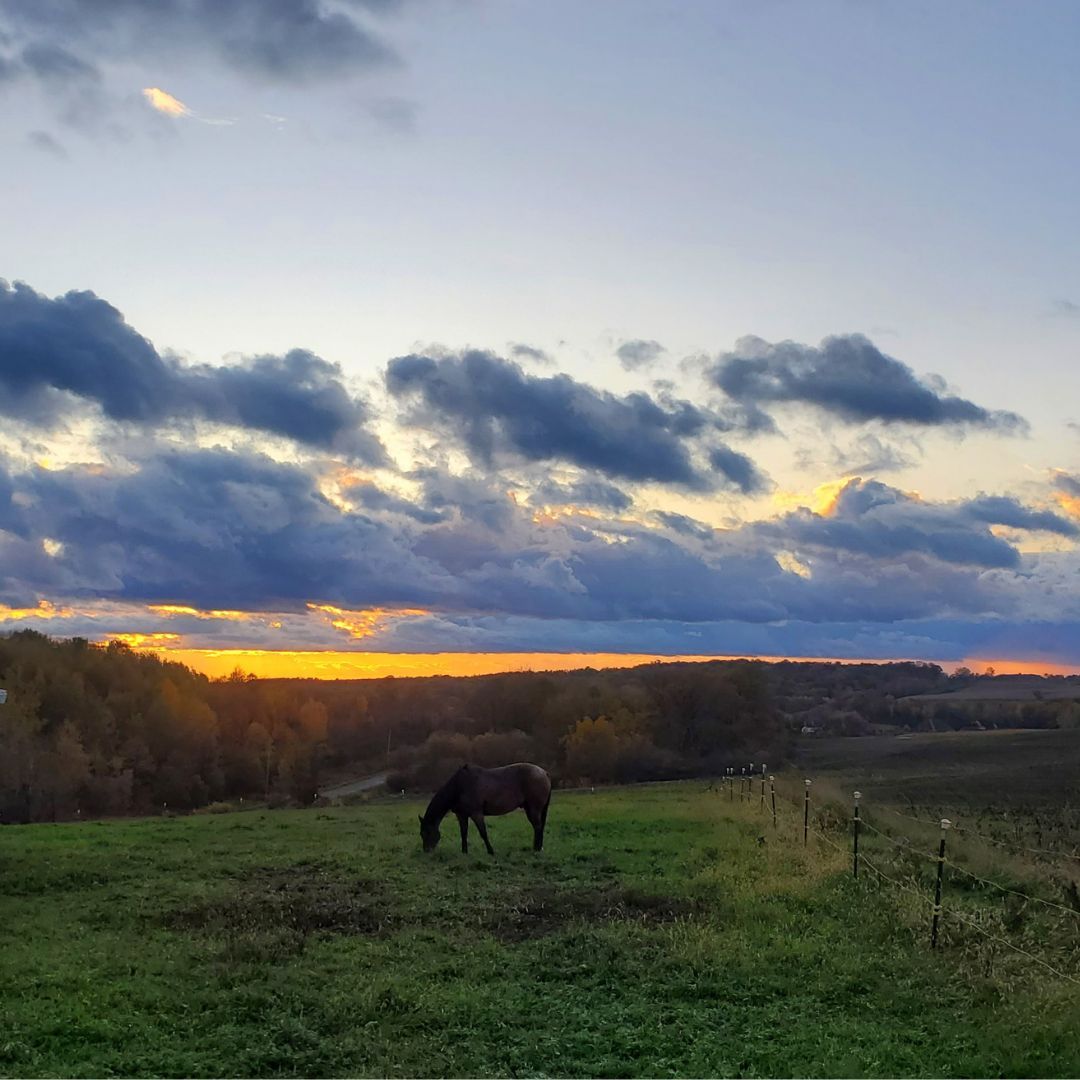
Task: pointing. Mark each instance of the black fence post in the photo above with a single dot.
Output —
(731, 784)
(772, 789)
(855, 834)
(806, 814)
(945, 823)
(762, 805)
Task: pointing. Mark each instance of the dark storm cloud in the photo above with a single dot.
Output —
(872, 519)
(683, 524)
(215, 528)
(275, 40)
(848, 377)
(596, 493)
(1005, 510)
(637, 354)
(374, 498)
(56, 353)
(738, 469)
(493, 407)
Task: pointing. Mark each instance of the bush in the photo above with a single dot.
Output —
(216, 808)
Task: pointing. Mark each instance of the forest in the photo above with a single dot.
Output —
(93, 730)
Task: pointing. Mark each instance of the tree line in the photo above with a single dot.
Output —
(104, 729)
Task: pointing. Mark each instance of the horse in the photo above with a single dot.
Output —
(473, 792)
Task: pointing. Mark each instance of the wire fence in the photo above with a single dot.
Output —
(827, 823)
(1025, 849)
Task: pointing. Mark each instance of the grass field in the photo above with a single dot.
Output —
(655, 936)
(973, 769)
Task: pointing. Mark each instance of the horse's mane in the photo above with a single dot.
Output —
(445, 797)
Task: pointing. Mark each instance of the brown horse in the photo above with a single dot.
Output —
(473, 792)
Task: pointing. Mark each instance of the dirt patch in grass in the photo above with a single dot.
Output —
(298, 901)
(544, 910)
(273, 911)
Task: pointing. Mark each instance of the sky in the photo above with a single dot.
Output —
(344, 337)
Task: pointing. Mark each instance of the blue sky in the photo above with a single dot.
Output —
(645, 327)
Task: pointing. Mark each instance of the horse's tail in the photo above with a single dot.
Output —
(543, 813)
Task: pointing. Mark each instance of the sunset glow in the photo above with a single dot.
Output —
(360, 665)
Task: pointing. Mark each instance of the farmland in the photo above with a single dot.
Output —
(665, 931)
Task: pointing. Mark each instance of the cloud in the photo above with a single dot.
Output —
(1067, 483)
(233, 532)
(60, 355)
(738, 469)
(870, 454)
(394, 114)
(209, 529)
(848, 377)
(872, 519)
(43, 141)
(634, 355)
(530, 352)
(596, 493)
(165, 103)
(72, 48)
(1067, 308)
(290, 41)
(495, 409)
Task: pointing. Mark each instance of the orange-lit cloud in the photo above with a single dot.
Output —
(146, 641)
(165, 103)
(169, 610)
(790, 562)
(366, 622)
(1069, 503)
(822, 500)
(44, 610)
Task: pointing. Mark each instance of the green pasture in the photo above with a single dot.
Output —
(664, 931)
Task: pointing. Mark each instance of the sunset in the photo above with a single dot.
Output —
(761, 439)
(415, 412)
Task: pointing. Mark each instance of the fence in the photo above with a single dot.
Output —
(753, 788)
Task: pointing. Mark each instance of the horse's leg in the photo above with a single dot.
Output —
(536, 820)
(543, 821)
(478, 819)
(463, 822)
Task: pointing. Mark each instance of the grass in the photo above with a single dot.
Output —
(656, 936)
(970, 770)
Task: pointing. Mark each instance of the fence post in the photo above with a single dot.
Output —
(762, 805)
(945, 823)
(742, 784)
(806, 814)
(855, 849)
(731, 784)
(772, 788)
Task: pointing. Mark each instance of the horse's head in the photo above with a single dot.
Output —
(429, 834)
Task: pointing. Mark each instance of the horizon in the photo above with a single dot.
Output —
(365, 340)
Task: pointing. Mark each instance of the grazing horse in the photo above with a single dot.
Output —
(473, 792)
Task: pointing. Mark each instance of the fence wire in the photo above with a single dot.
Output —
(791, 807)
(1008, 944)
(990, 839)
